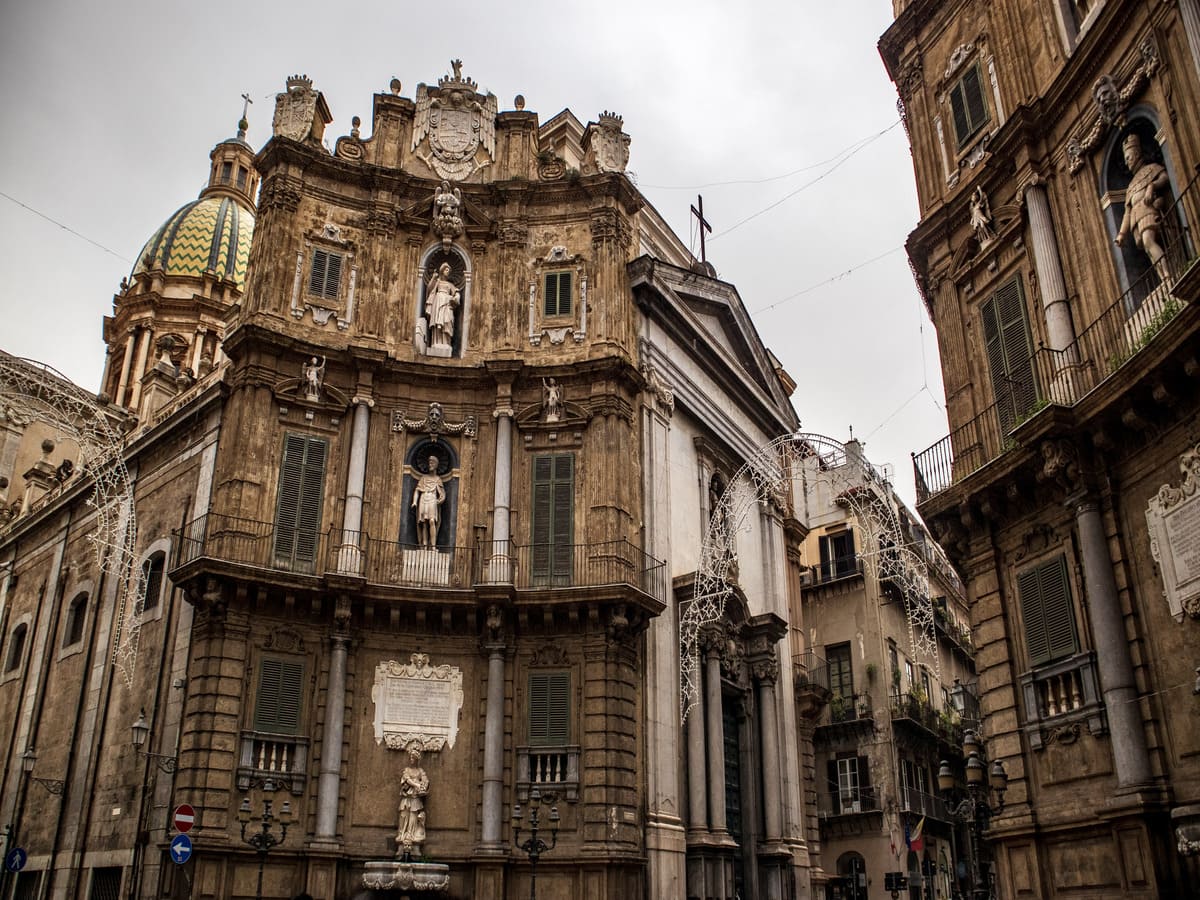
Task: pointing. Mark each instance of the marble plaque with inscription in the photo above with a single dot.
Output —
(1173, 516)
(418, 702)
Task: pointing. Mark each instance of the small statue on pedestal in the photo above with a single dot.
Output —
(414, 786)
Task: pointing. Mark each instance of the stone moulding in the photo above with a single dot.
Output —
(1173, 519)
(406, 876)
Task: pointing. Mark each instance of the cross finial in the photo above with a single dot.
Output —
(704, 226)
(244, 123)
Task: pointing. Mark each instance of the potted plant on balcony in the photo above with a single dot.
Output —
(837, 708)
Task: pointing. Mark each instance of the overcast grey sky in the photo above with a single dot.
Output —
(780, 114)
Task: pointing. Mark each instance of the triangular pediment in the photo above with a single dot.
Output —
(716, 319)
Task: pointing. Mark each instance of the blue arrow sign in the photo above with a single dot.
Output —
(16, 859)
(181, 849)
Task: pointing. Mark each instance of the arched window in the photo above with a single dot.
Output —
(16, 648)
(152, 580)
(852, 873)
(76, 619)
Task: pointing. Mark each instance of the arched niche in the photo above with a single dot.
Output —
(440, 307)
(416, 464)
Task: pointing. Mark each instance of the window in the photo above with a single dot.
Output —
(908, 675)
(298, 515)
(968, 106)
(837, 555)
(241, 178)
(226, 172)
(1010, 353)
(278, 701)
(152, 580)
(76, 618)
(1045, 596)
(894, 663)
(16, 648)
(106, 884)
(557, 301)
(553, 517)
(325, 277)
(850, 783)
(841, 674)
(926, 685)
(549, 708)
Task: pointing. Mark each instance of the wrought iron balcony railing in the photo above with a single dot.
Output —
(847, 802)
(1064, 377)
(263, 545)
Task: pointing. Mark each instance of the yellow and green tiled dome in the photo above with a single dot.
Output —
(211, 234)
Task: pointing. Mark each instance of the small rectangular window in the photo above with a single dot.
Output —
(241, 178)
(16, 648)
(325, 276)
(549, 708)
(558, 294)
(152, 579)
(841, 675)
(968, 105)
(76, 619)
(106, 884)
(279, 698)
(837, 555)
(1047, 610)
(226, 172)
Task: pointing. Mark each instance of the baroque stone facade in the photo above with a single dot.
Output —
(1055, 147)
(415, 493)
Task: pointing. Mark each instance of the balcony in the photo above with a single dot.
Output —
(841, 567)
(1122, 333)
(250, 548)
(850, 802)
(276, 758)
(919, 803)
(810, 673)
(911, 709)
(1061, 697)
(549, 769)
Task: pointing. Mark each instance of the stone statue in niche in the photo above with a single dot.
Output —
(314, 378)
(427, 501)
(1146, 198)
(442, 298)
(414, 787)
(552, 400)
(981, 217)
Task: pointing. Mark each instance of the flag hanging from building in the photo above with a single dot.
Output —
(915, 837)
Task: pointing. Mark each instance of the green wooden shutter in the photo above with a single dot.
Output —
(325, 276)
(553, 516)
(298, 513)
(958, 107)
(1010, 352)
(1049, 616)
(968, 105)
(549, 708)
(278, 702)
(557, 301)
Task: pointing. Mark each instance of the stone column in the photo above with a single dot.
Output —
(697, 787)
(139, 369)
(126, 365)
(493, 746)
(1059, 330)
(499, 567)
(350, 551)
(712, 642)
(1113, 661)
(767, 672)
(329, 780)
(198, 350)
(1189, 13)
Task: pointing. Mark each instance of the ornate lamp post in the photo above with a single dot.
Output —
(976, 806)
(263, 839)
(141, 730)
(533, 846)
(28, 761)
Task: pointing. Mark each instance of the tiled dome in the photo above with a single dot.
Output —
(211, 234)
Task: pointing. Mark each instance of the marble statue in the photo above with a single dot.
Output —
(1146, 197)
(427, 501)
(442, 298)
(314, 378)
(981, 217)
(414, 786)
(552, 401)
(447, 220)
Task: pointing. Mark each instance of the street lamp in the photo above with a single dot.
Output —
(53, 785)
(263, 839)
(141, 731)
(977, 805)
(533, 846)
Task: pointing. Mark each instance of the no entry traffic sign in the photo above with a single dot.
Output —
(185, 818)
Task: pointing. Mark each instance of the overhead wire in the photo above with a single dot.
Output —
(66, 228)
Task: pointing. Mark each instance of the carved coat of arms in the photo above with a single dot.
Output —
(454, 130)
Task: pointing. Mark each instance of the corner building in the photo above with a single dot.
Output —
(420, 483)
(1056, 146)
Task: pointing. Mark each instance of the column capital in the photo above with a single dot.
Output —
(765, 669)
(360, 400)
(503, 412)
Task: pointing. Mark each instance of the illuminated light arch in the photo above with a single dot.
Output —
(34, 391)
(775, 472)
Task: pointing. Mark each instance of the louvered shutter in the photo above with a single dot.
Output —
(277, 703)
(558, 294)
(1045, 595)
(325, 276)
(553, 515)
(298, 513)
(968, 105)
(549, 708)
(1010, 352)
(333, 277)
(958, 106)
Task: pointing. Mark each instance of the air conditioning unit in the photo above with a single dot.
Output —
(806, 578)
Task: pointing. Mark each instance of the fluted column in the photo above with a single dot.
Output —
(126, 365)
(1059, 330)
(713, 642)
(1189, 13)
(1117, 685)
(139, 369)
(697, 786)
(329, 780)
(350, 551)
(493, 743)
